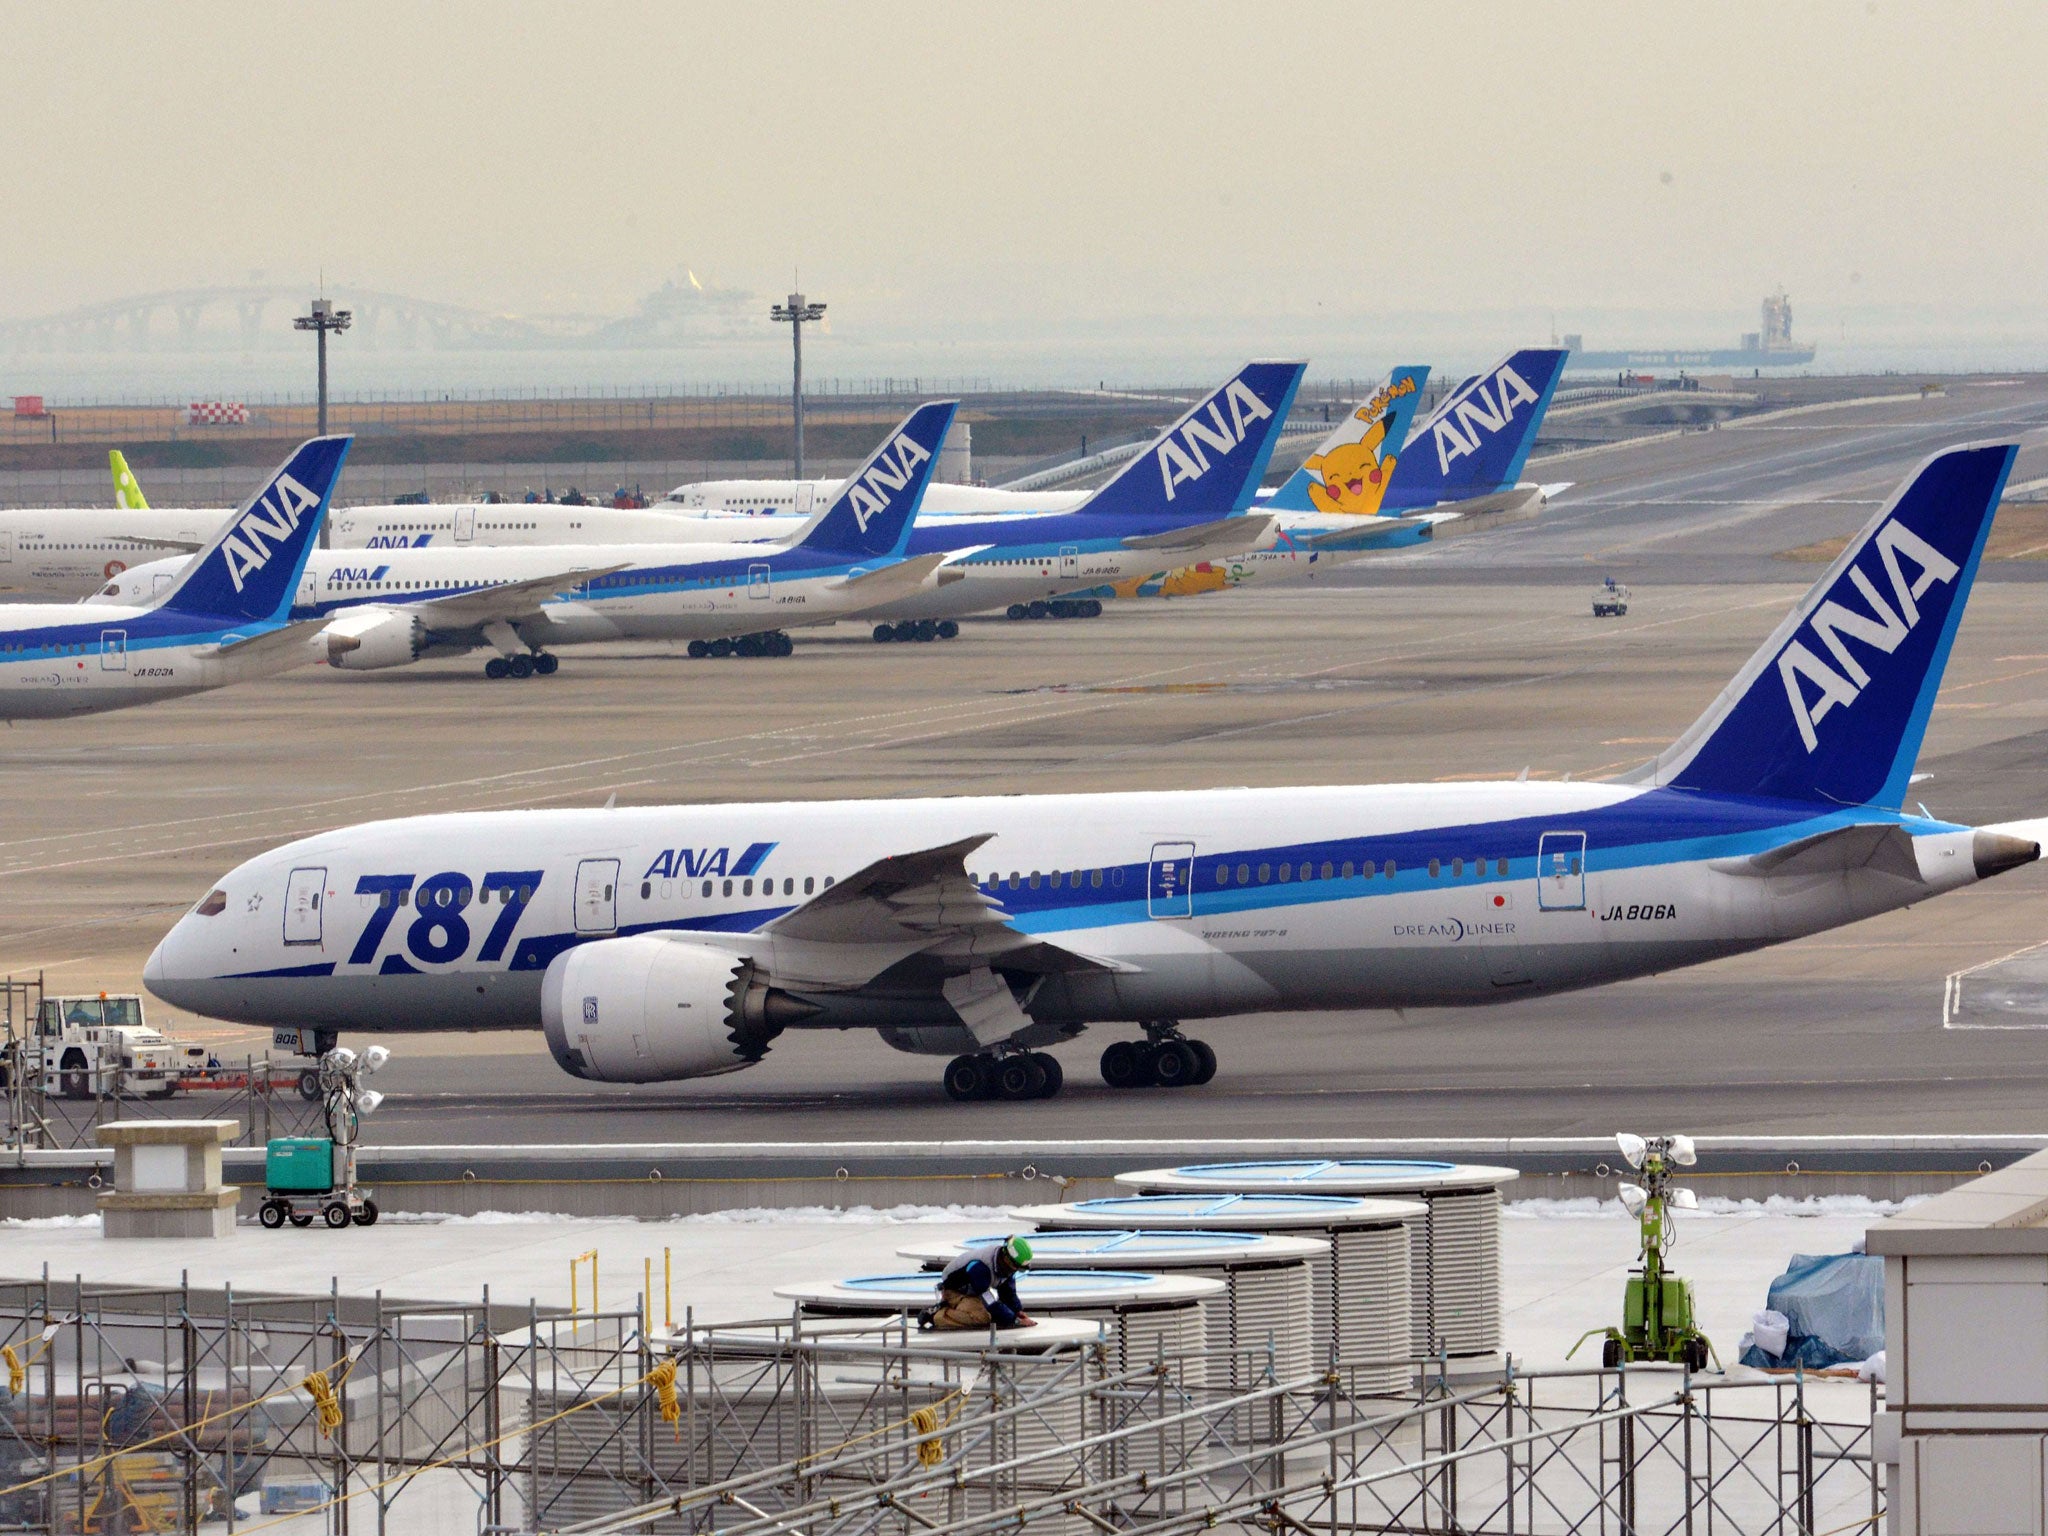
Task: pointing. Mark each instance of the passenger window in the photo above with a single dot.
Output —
(807, 884)
(728, 887)
(1244, 874)
(1013, 879)
(526, 893)
(1265, 873)
(1457, 868)
(707, 887)
(646, 889)
(1095, 878)
(1435, 868)
(1500, 866)
(828, 882)
(1223, 874)
(1034, 879)
(1116, 877)
(1328, 870)
(788, 886)
(747, 889)
(1347, 869)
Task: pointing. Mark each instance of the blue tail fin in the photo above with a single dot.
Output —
(1352, 467)
(1833, 707)
(1477, 441)
(874, 509)
(251, 569)
(1208, 464)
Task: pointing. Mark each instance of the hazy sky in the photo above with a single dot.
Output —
(1005, 170)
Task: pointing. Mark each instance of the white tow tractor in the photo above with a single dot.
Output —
(102, 1044)
(1611, 601)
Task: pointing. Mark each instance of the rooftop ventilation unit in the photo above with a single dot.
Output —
(1454, 1252)
(1362, 1286)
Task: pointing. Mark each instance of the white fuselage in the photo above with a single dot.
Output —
(66, 552)
(80, 659)
(1495, 891)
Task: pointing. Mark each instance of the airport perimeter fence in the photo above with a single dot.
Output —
(260, 1094)
(180, 1409)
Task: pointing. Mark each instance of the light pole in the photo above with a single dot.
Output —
(794, 314)
(324, 318)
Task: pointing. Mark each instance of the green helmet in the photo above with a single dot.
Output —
(1019, 1251)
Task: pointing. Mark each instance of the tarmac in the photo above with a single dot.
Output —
(1473, 658)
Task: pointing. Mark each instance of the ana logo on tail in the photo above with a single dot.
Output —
(1833, 625)
(244, 550)
(1181, 459)
(870, 494)
(1484, 411)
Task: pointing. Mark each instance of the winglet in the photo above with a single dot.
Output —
(878, 502)
(127, 492)
(251, 568)
(1351, 468)
(1209, 463)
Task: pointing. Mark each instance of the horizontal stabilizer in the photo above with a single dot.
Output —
(1882, 846)
(898, 576)
(271, 641)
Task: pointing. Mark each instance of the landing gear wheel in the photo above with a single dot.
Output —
(497, 668)
(1610, 1354)
(780, 644)
(300, 1219)
(519, 666)
(884, 633)
(747, 645)
(1091, 607)
(1695, 1355)
(1037, 610)
(924, 630)
(949, 629)
(1125, 1065)
(1016, 611)
(966, 1079)
(1018, 1078)
(1062, 609)
(1055, 1075)
(271, 1215)
(545, 665)
(721, 648)
(1175, 1064)
(1205, 1057)
(309, 1086)
(366, 1214)
(698, 650)
(336, 1216)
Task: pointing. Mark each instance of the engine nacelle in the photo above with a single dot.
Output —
(371, 641)
(652, 1009)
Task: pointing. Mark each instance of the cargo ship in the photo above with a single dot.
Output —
(1770, 347)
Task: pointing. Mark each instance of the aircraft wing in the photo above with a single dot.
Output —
(1227, 535)
(176, 546)
(919, 903)
(505, 602)
(1370, 531)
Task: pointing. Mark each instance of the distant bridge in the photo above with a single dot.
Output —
(251, 318)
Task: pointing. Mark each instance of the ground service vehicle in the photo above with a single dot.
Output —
(87, 1046)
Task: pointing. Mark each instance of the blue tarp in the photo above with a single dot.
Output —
(1835, 1303)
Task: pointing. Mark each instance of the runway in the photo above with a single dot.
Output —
(1474, 658)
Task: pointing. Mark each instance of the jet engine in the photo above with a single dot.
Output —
(371, 641)
(652, 1008)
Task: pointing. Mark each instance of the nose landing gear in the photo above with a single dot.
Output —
(1165, 1058)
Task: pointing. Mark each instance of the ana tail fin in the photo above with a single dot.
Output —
(1477, 441)
(1352, 467)
(1208, 464)
(251, 568)
(127, 492)
(873, 510)
(1833, 708)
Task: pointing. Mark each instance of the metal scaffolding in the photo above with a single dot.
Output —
(182, 1410)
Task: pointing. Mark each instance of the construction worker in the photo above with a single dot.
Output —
(979, 1288)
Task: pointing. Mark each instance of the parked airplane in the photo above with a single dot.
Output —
(391, 607)
(671, 942)
(223, 618)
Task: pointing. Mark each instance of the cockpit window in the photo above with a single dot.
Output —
(216, 903)
(113, 589)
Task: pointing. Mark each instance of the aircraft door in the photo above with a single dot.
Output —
(465, 524)
(757, 581)
(302, 893)
(1070, 560)
(1561, 872)
(160, 581)
(597, 890)
(7, 547)
(805, 492)
(1170, 884)
(113, 650)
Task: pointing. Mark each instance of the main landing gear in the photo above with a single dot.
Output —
(1014, 1075)
(539, 664)
(1058, 608)
(918, 630)
(1165, 1058)
(770, 642)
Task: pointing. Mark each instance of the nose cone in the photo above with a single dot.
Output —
(172, 973)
